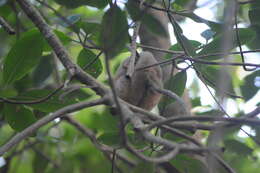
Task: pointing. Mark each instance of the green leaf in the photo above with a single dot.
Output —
(254, 44)
(179, 79)
(24, 83)
(182, 40)
(254, 17)
(255, 5)
(40, 163)
(92, 28)
(153, 24)
(245, 34)
(18, 117)
(257, 131)
(114, 35)
(196, 102)
(217, 27)
(89, 26)
(251, 85)
(188, 164)
(194, 17)
(210, 74)
(76, 95)
(172, 137)
(181, 3)
(177, 47)
(5, 10)
(88, 58)
(50, 105)
(65, 39)
(238, 147)
(20, 60)
(90, 119)
(133, 9)
(8, 92)
(78, 3)
(110, 138)
(136, 139)
(177, 85)
(144, 167)
(101, 122)
(253, 14)
(43, 70)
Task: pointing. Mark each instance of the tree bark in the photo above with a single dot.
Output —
(151, 39)
(155, 40)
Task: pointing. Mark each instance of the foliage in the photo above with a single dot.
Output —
(30, 71)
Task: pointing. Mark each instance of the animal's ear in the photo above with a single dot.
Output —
(136, 90)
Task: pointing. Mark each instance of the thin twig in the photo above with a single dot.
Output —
(132, 60)
(6, 26)
(18, 24)
(247, 121)
(46, 157)
(87, 132)
(93, 61)
(253, 114)
(153, 117)
(113, 161)
(238, 39)
(223, 163)
(160, 9)
(59, 50)
(217, 88)
(179, 55)
(92, 136)
(182, 135)
(64, 19)
(246, 2)
(172, 95)
(220, 106)
(165, 158)
(20, 151)
(196, 60)
(141, 128)
(161, 50)
(116, 101)
(46, 119)
(37, 101)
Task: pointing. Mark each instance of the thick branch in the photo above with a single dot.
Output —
(59, 50)
(32, 128)
(141, 128)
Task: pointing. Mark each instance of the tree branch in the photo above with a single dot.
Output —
(247, 121)
(165, 158)
(6, 26)
(92, 136)
(59, 50)
(32, 128)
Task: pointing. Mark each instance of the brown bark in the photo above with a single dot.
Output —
(151, 39)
